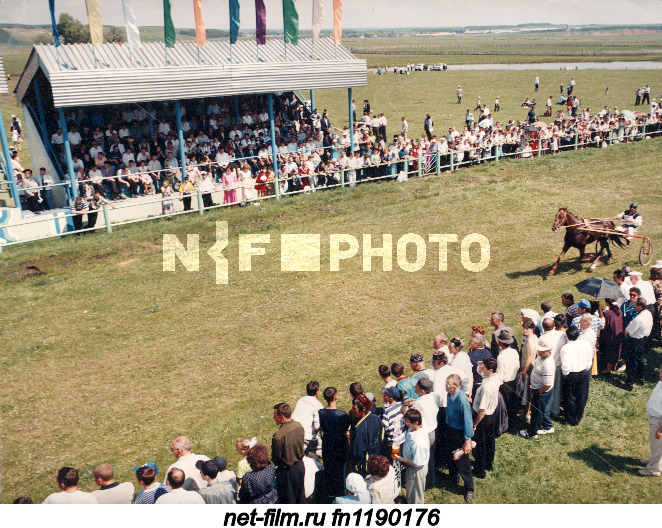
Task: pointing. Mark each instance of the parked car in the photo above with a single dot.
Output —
(437, 67)
(419, 67)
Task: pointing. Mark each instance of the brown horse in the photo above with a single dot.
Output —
(583, 231)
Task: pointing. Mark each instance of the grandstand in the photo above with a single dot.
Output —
(67, 84)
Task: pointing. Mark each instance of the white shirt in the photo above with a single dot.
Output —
(647, 291)
(576, 356)
(589, 336)
(507, 364)
(641, 326)
(461, 361)
(428, 406)
(120, 494)
(557, 339)
(73, 497)
(487, 395)
(187, 465)
(439, 376)
(654, 407)
(307, 413)
(180, 496)
(543, 372)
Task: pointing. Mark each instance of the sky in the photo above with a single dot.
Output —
(359, 13)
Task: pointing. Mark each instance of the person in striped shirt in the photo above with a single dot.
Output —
(78, 209)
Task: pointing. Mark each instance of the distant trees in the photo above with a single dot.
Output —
(73, 31)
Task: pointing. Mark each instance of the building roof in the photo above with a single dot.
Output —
(83, 74)
(3, 79)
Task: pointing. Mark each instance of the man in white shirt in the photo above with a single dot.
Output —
(178, 495)
(507, 368)
(461, 361)
(485, 422)
(57, 139)
(67, 481)
(428, 405)
(646, 288)
(637, 333)
(654, 409)
(111, 492)
(554, 333)
(440, 345)
(542, 387)
(181, 448)
(576, 361)
(307, 413)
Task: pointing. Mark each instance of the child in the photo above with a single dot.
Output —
(243, 467)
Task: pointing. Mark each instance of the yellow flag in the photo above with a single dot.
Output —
(94, 19)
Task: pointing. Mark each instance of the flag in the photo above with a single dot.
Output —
(337, 21)
(260, 22)
(56, 33)
(94, 21)
(290, 22)
(234, 21)
(318, 8)
(200, 33)
(168, 26)
(131, 23)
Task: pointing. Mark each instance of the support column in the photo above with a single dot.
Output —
(312, 101)
(73, 191)
(10, 169)
(180, 136)
(150, 120)
(351, 121)
(236, 112)
(40, 109)
(274, 152)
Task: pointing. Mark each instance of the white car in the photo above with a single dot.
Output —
(437, 67)
(419, 67)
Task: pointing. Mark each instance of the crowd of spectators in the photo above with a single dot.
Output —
(432, 419)
(228, 147)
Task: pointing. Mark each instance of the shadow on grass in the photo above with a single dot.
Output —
(600, 459)
(575, 266)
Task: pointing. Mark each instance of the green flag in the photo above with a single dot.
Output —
(168, 26)
(290, 22)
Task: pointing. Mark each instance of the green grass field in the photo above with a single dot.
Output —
(107, 357)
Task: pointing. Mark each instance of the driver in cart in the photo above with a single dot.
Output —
(631, 221)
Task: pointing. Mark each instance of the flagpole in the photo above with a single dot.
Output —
(198, 55)
(312, 51)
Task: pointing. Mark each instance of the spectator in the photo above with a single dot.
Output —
(111, 492)
(219, 490)
(485, 420)
(306, 412)
(381, 481)
(146, 477)
(497, 322)
(415, 455)
(365, 437)
(357, 491)
(654, 409)
(334, 427)
(542, 387)
(259, 485)
(576, 360)
(637, 333)
(178, 494)
(67, 481)
(286, 453)
(186, 460)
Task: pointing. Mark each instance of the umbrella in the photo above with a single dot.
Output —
(629, 114)
(600, 288)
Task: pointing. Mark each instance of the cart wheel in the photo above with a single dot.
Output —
(646, 252)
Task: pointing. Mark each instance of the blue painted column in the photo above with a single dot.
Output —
(274, 152)
(40, 109)
(180, 136)
(236, 112)
(73, 191)
(150, 120)
(312, 101)
(351, 121)
(10, 169)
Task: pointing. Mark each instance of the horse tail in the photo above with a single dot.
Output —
(617, 240)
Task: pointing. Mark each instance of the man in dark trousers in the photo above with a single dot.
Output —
(287, 455)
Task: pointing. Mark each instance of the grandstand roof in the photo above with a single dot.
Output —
(83, 74)
(3, 79)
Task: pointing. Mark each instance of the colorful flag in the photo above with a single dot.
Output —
(318, 9)
(131, 23)
(260, 22)
(337, 21)
(200, 32)
(234, 21)
(56, 33)
(168, 26)
(290, 22)
(94, 21)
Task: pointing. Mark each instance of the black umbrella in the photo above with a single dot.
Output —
(600, 288)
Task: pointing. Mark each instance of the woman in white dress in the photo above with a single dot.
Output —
(246, 184)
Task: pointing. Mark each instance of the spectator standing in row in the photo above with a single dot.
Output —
(218, 490)
(415, 455)
(259, 485)
(334, 425)
(654, 409)
(459, 433)
(111, 492)
(186, 461)
(637, 333)
(178, 494)
(67, 481)
(287, 454)
(306, 412)
(146, 477)
(485, 420)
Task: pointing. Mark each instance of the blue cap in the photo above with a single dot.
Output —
(585, 304)
(148, 464)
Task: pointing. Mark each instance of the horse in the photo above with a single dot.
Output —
(583, 231)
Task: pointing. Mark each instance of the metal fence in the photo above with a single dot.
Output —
(424, 165)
